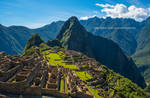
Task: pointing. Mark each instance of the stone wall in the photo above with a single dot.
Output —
(4, 76)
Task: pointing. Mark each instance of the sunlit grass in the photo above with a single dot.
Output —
(83, 75)
(66, 88)
(62, 86)
(55, 59)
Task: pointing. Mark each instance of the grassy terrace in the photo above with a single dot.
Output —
(63, 86)
(56, 59)
(83, 75)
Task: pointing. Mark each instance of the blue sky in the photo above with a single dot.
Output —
(36, 13)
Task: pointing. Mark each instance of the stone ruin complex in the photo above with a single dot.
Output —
(35, 76)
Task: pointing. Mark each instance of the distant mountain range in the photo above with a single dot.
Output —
(125, 36)
(14, 38)
(133, 37)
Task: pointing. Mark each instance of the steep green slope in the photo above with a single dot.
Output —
(142, 55)
(9, 44)
(73, 36)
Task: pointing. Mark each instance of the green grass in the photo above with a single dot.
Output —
(85, 66)
(43, 46)
(94, 92)
(14, 81)
(83, 75)
(57, 59)
(66, 88)
(145, 60)
(62, 86)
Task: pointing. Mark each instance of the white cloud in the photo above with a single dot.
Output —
(86, 17)
(104, 5)
(122, 11)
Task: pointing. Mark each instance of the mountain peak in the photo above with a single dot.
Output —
(71, 27)
(73, 19)
(95, 17)
(35, 40)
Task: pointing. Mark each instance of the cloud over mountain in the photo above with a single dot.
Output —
(87, 17)
(123, 11)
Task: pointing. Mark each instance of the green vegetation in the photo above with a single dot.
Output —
(14, 81)
(143, 63)
(32, 50)
(123, 86)
(94, 92)
(85, 66)
(63, 85)
(56, 59)
(43, 46)
(83, 75)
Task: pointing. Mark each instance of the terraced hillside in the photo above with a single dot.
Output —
(89, 76)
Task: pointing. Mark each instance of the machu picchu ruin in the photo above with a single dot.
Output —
(33, 75)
